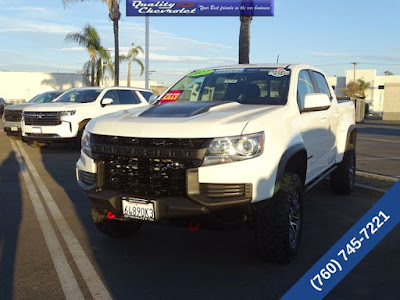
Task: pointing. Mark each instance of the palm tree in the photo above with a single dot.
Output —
(115, 16)
(132, 57)
(89, 39)
(103, 63)
(244, 39)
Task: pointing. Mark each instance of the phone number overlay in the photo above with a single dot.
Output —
(334, 265)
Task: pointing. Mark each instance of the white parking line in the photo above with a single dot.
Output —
(93, 281)
(65, 275)
(379, 158)
(378, 140)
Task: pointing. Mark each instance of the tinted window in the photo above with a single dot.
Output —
(146, 95)
(79, 96)
(321, 83)
(112, 95)
(304, 87)
(127, 97)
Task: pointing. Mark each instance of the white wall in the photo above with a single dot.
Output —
(23, 86)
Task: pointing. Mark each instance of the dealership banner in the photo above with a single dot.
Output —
(200, 8)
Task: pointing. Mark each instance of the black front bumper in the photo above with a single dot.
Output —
(50, 138)
(213, 204)
(11, 132)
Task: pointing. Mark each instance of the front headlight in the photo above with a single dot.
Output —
(85, 144)
(230, 149)
(66, 114)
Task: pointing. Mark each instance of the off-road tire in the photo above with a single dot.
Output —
(114, 228)
(272, 226)
(343, 178)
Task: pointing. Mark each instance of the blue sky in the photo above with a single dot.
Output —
(329, 34)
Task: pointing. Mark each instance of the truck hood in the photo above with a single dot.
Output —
(180, 120)
(18, 106)
(61, 106)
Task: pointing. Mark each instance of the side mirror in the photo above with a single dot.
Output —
(315, 102)
(153, 99)
(106, 101)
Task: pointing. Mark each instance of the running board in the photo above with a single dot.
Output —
(317, 180)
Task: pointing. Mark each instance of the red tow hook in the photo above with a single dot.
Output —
(194, 225)
(110, 215)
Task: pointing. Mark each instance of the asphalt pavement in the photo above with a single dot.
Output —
(49, 247)
(378, 147)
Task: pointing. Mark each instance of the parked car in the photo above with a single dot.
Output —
(13, 113)
(232, 145)
(65, 119)
(2, 105)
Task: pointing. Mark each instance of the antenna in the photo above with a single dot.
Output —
(277, 59)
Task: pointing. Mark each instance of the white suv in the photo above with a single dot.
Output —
(66, 119)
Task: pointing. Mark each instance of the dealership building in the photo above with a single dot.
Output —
(17, 87)
(383, 95)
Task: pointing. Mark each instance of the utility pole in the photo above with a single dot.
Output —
(354, 66)
(147, 54)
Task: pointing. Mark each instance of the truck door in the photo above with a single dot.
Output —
(332, 120)
(314, 127)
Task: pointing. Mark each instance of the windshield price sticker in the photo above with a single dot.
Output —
(280, 72)
(199, 73)
(350, 249)
(171, 96)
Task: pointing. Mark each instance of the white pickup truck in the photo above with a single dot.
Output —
(66, 119)
(232, 145)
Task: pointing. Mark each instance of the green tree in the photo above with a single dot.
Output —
(132, 57)
(114, 15)
(89, 38)
(388, 73)
(356, 89)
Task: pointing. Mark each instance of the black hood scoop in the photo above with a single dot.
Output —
(179, 109)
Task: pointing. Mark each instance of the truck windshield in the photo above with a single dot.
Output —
(79, 96)
(265, 86)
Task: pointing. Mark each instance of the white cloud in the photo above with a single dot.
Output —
(69, 49)
(167, 40)
(21, 25)
(28, 9)
(380, 57)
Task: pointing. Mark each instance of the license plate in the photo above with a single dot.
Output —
(36, 130)
(138, 209)
(14, 128)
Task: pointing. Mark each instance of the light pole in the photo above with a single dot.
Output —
(146, 60)
(354, 66)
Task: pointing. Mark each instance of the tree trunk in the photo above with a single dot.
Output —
(116, 53)
(93, 68)
(244, 39)
(129, 72)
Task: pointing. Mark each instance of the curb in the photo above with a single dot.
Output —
(377, 176)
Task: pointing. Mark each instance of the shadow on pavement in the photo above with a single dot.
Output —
(10, 219)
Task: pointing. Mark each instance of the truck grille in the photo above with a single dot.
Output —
(42, 118)
(148, 167)
(13, 115)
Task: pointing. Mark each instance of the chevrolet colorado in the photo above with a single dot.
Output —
(227, 146)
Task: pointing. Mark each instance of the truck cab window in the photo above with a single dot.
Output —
(321, 84)
(304, 87)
